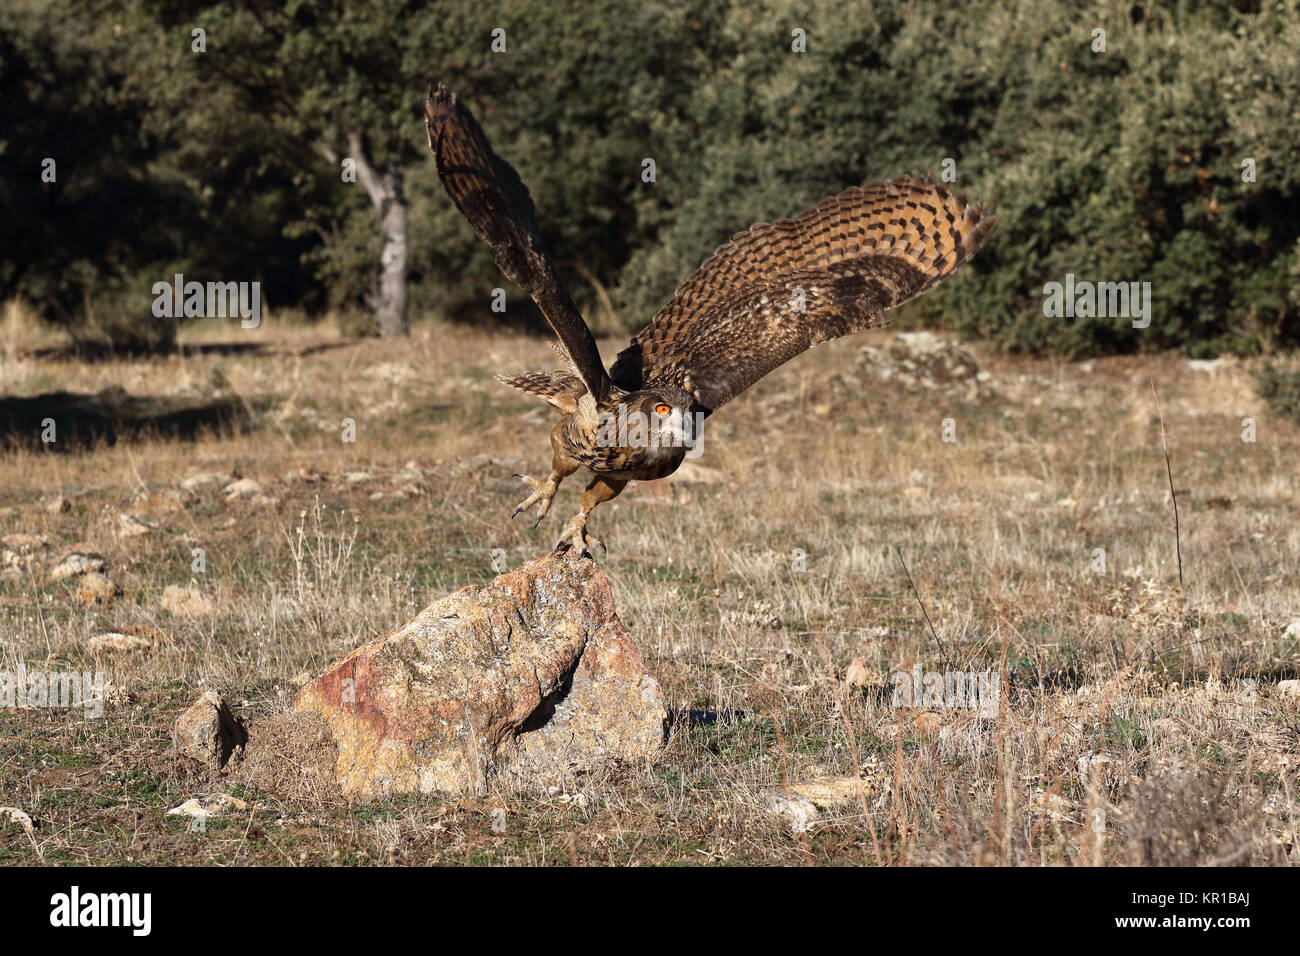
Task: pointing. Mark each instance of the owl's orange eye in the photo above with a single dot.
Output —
(662, 409)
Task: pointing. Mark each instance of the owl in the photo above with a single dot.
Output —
(773, 292)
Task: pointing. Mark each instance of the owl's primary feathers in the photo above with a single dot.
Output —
(490, 194)
(770, 294)
(843, 263)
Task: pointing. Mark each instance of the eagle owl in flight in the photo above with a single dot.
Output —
(773, 292)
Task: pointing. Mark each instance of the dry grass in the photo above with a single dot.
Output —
(1125, 731)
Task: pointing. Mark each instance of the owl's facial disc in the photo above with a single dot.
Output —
(676, 427)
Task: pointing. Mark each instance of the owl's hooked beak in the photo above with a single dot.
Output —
(680, 428)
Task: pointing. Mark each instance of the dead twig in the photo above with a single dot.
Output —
(943, 652)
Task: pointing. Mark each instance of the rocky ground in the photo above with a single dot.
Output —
(891, 507)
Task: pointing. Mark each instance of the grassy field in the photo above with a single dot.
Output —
(1140, 720)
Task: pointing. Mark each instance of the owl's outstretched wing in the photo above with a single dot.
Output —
(490, 194)
(780, 288)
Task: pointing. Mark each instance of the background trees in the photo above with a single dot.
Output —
(1122, 165)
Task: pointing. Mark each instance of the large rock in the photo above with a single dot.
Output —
(922, 361)
(531, 676)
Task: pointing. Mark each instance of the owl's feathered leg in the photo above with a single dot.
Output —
(575, 532)
(544, 489)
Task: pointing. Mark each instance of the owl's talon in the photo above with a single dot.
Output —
(575, 538)
(543, 491)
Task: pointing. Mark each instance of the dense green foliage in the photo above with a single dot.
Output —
(1123, 165)
(1279, 387)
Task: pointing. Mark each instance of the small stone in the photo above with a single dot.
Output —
(1051, 804)
(186, 602)
(798, 812)
(204, 479)
(114, 642)
(826, 792)
(857, 675)
(17, 817)
(94, 588)
(24, 543)
(129, 526)
(211, 805)
(1292, 632)
(356, 477)
(209, 732)
(243, 488)
(76, 563)
(1289, 688)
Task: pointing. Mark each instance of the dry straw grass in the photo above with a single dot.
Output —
(1126, 731)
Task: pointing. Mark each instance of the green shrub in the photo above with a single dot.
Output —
(1122, 165)
(1280, 388)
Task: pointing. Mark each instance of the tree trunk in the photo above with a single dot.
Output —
(390, 202)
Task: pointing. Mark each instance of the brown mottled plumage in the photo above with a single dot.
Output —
(770, 294)
(844, 261)
(490, 194)
(562, 389)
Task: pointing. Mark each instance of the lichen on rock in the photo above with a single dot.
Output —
(531, 676)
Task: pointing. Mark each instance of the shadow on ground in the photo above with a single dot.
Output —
(66, 421)
(91, 352)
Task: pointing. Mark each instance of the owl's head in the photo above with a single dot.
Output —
(669, 414)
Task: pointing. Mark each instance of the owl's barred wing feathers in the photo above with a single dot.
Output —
(780, 288)
(562, 389)
(490, 194)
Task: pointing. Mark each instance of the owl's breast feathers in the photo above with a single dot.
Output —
(621, 442)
